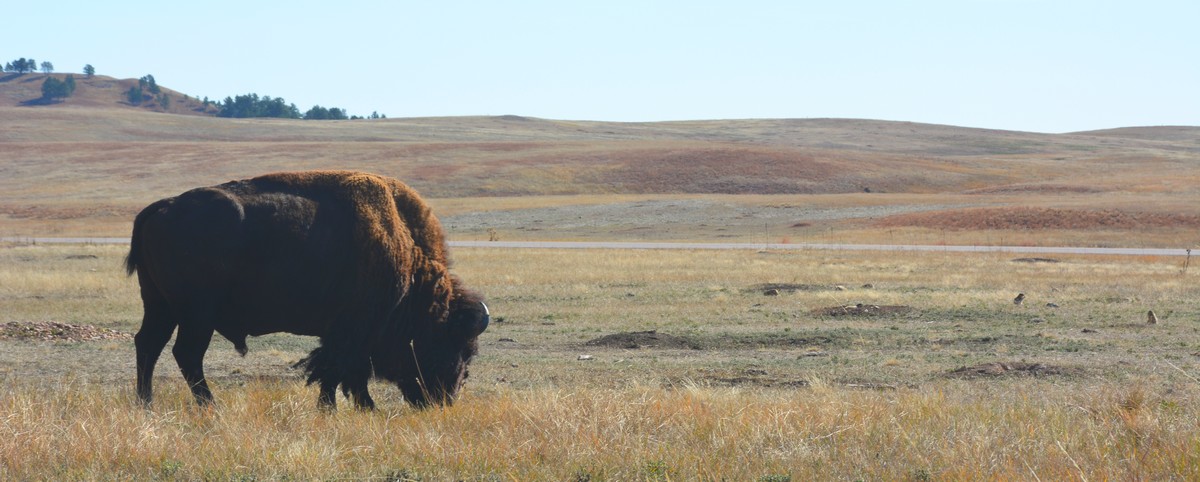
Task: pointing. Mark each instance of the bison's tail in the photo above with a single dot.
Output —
(135, 240)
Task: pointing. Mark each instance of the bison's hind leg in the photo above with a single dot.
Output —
(190, 346)
(149, 342)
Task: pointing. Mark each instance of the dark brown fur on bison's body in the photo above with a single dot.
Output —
(356, 259)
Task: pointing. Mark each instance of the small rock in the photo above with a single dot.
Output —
(1089, 330)
(771, 292)
(584, 358)
(1037, 320)
(1051, 305)
(506, 340)
(839, 288)
(868, 286)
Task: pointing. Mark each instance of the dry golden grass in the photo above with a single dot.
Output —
(271, 431)
(776, 392)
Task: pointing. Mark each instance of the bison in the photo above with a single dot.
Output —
(356, 259)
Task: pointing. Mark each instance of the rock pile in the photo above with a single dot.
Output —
(55, 331)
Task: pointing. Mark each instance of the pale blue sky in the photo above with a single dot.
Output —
(1044, 66)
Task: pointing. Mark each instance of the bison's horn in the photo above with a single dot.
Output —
(487, 318)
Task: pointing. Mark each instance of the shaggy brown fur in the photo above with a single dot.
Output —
(354, 258)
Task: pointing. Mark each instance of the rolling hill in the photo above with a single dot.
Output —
(96, 159)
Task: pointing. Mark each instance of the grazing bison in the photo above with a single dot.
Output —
(356, 259)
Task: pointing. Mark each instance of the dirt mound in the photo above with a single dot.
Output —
(643, 339)
(1002, 369)
(863, 310)
(55, 331)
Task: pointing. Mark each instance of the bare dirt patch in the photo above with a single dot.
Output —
(1007, 369)
(863, 310)
(1037, 189)
(1040, 218)
(787, 288)
(55, 331)
(643, 339)
(717, 341)
(1035, 260)
(750, 377)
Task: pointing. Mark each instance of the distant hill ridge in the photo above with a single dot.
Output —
(107, 92)
(97, 91)
(97, 134)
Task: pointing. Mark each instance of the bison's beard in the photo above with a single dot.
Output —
(427, 372)
(426, 376)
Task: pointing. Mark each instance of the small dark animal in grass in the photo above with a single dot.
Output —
(1019, 299)
(356, 259)
(1151, 318)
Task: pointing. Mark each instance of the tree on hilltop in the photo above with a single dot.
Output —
(21, 66)
(321, 113)
(53, 88)
(89, 71)
(135, 95)
(147, 83)
(251, 105)
(47, 67)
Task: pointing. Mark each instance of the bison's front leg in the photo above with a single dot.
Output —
(327, 399)
(190, 346)
(355, 384)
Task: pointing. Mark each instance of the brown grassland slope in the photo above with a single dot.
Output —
(86, 165)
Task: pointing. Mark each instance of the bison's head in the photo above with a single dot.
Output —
(433, 366)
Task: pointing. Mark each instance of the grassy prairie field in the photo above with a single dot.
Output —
(639, 365)
(654, 365)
